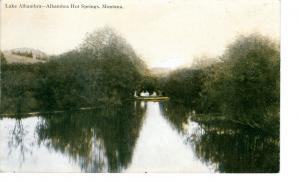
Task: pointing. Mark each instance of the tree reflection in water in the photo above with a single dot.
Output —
(99, 140)
(103, 140)
(17, 141)
(231, 147)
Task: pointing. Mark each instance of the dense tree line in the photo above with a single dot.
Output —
(26, 54)
(104, 69)
(243, 84)
(18, 87)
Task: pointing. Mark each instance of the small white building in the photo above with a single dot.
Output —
(145, 94)
(154, 94)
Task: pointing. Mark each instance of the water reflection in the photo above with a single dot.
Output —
(91, 141)
(160, 148)
(98, 140)
(21, 152)
(134, 137)
(231, 147)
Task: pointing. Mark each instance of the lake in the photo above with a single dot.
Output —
(135, 137)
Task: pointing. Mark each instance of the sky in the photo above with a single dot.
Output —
(164, 33)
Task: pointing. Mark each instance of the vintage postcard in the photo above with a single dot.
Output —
(140, 86)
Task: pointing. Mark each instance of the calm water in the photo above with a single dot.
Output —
(138, 137)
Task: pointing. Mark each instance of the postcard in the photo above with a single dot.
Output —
(115, 86)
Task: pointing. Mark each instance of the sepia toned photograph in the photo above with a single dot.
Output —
(160, 86)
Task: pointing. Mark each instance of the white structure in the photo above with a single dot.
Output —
(135, 94)
(154, 94)
(145, 94)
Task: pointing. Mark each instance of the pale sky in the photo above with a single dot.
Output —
(165, 33)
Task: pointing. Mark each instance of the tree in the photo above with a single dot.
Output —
(103, 70)
(2, 58)
(251, 89)
(106, 42)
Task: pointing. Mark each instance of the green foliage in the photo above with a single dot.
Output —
(2, 58)
(103, 70)
(243, 84)
(183, 85)
(213, 89)
(251, 89)
(18, 84)
(148, 83)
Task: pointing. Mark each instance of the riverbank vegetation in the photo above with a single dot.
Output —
(104, 69)
(241, 85)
